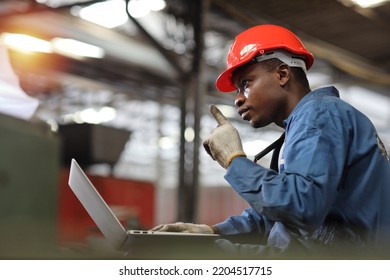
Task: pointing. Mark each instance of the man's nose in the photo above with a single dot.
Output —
(240, 98)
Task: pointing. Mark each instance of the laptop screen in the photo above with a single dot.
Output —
(96, 207)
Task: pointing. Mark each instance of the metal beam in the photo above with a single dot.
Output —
(194, 96)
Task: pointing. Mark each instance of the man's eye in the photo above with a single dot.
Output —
(243, 86)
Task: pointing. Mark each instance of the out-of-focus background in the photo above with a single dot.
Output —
(124, 88)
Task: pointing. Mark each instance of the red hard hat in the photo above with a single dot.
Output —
(257, 40)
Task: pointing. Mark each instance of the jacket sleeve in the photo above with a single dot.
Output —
(301, 195)
(248, 222)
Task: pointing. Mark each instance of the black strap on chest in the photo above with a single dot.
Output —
(276, 146)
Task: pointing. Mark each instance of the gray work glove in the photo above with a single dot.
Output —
(224, 142)
(184, 227)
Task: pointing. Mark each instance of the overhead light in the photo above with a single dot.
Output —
(94, 116)
(107, 114)
(76, 49)
(369, 3)
(109, 14)
(25, 43)
(138, 9)
(155, 5)
(141, 8)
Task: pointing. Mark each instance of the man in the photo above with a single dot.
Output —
(331, 192)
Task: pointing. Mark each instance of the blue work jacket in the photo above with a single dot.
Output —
(332, 165)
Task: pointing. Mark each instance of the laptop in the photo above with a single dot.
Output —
(112, 229)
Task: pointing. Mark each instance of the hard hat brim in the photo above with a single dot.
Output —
(224, 81)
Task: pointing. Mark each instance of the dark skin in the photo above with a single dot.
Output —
(267, 96)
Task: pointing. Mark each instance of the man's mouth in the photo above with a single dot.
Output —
(243, 113)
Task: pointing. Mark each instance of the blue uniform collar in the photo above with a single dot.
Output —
(325, 91)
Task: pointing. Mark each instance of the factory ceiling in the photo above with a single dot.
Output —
(351, 39)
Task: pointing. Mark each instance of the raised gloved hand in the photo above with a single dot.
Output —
(184, 227)
(224, 142)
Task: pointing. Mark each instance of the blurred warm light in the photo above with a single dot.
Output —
(25, 43)
(67, 47)
(369, 3)
(76, 49)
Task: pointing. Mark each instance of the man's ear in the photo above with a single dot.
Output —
(284, 74)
